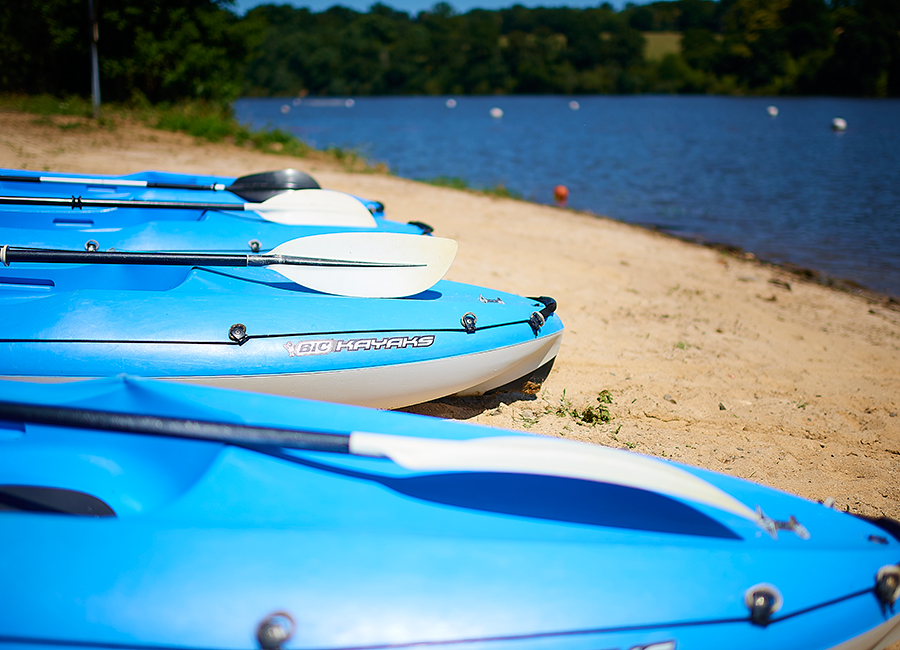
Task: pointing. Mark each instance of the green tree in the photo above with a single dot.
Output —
(44, 47)
(171, 49)
(700, 49)
(165, 50)
(753, 46)
(866, 60)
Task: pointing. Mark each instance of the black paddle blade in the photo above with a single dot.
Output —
(256, 188)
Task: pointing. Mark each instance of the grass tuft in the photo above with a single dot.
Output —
(590, 415)
(457, 183)
(48, 105)
(453, 182)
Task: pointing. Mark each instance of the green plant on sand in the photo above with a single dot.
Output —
(457, 183)
(590, 414)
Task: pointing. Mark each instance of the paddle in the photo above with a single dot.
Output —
(368, 265)
(536, 455)
(292, 207)
(254, 187)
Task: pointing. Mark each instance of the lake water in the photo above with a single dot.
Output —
(717, 169)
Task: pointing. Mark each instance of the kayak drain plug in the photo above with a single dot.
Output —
(238, 333)
(763, 600)
(275, 630)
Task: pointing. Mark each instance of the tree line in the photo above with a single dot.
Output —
(175, 49)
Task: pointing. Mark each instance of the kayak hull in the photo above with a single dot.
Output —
(389, 386)
(250, 329)
(205, 540)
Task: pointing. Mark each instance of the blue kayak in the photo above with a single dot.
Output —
(123, 204)
(251, 328)
(138, 515)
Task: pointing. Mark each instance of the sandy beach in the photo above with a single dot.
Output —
(711, 359)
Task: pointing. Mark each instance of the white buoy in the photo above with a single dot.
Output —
(349, 103)
(772, 111)
(297, 101)
(574, 105)
(839, 124)
(496, 113)
(285, 109)
(451, 103)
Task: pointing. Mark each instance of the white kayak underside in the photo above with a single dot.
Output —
(877, 638)
(392, 386)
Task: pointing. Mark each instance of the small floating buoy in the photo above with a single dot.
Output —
(297, 101)
(349, 103)
(772, 111)
(574, 105)
(561, 195)
(451, 103)
(839, 124)
(285, 109)
(496, 113)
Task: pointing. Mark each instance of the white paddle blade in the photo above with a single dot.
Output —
(547, 457)
(314, 208)
(416, 263)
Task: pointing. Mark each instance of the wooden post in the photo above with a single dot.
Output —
(95, 66)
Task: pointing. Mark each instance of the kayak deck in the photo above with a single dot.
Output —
(369, 552)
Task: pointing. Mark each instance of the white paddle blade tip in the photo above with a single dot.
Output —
(315, 208)
(547, 457)
(415, 263)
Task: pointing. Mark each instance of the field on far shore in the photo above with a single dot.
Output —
(661, 43)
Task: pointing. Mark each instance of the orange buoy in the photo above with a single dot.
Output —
(561, 195)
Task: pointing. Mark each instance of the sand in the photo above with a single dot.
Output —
(711, 359)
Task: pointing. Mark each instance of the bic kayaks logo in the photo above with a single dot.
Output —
(327, 346)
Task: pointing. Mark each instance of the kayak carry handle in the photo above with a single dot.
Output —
(538, 318)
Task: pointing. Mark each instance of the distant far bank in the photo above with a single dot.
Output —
(167, 51)
(788, 47)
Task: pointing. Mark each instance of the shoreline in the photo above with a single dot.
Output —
(713, 360)
(799, 273)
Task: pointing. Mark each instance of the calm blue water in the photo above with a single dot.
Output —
(718, 169)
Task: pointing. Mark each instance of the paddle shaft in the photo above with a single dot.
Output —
(169, 427)
(9, 255)
(77, 203)
(112, 182)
